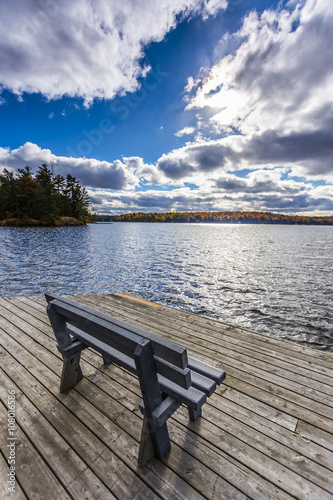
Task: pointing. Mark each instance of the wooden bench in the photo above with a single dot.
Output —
(167, 376)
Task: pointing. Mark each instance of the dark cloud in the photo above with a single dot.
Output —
(312, 148)
(211, 157)
(231, 184)
(175, 168)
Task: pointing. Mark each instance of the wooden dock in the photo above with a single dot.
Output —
(266, 433)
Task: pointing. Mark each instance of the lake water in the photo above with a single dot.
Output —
(271, 279)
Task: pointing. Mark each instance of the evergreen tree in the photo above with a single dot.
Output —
(77, 196)
(26, 188)
(46, 206)
(8, 198)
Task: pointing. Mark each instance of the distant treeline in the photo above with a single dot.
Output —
(223, 217)
(42, 197)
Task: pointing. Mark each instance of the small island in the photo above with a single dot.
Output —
(42, 199)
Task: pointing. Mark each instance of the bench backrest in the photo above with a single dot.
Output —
(97, 329)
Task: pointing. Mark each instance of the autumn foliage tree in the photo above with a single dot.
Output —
(226, 217)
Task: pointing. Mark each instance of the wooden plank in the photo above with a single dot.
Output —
(55, 451)
(300, 352)
(314, 434)
(248, 481)
(251, 340)
(217, 441)
(191, 396)
(259, 423)
(264, 459)
(4, 493)
(285, 367)
(30, 467)
(271, 466)
(152, 398)
(288, 437)
(266, 393)
(266, 375)
(267, 388)
(118, 337)
(138, 299)
(271, 446)
(206, 370)
(310, 366)
(256, 407)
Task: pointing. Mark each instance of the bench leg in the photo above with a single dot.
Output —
(194, 414)
(71, 372)
(146, 451)
(106, 359)
(152, 398)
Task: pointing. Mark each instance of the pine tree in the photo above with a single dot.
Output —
(8, 195)
(46, 206)
(26, 187)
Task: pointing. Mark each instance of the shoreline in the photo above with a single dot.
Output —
(62, 222)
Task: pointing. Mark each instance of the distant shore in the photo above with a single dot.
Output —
(218, 217)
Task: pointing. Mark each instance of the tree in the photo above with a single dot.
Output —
(8, 198)
(77, 197)
(46, 206)
(26, 187)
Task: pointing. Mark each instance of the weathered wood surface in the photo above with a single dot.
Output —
(266, 433)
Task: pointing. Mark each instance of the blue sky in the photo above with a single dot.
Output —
(173, 105)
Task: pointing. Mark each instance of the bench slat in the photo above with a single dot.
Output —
(119, 358)
(118, 337)
(208, 371)
(202, 383)
(163, 348)
(191, 397)
(173, 373)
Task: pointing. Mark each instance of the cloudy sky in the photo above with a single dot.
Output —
(173, 105)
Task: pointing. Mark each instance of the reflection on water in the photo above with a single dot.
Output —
(270, 279)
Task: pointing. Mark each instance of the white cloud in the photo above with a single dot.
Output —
(185, 131)
(117, 175)
(276, 90)
(82, 48)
